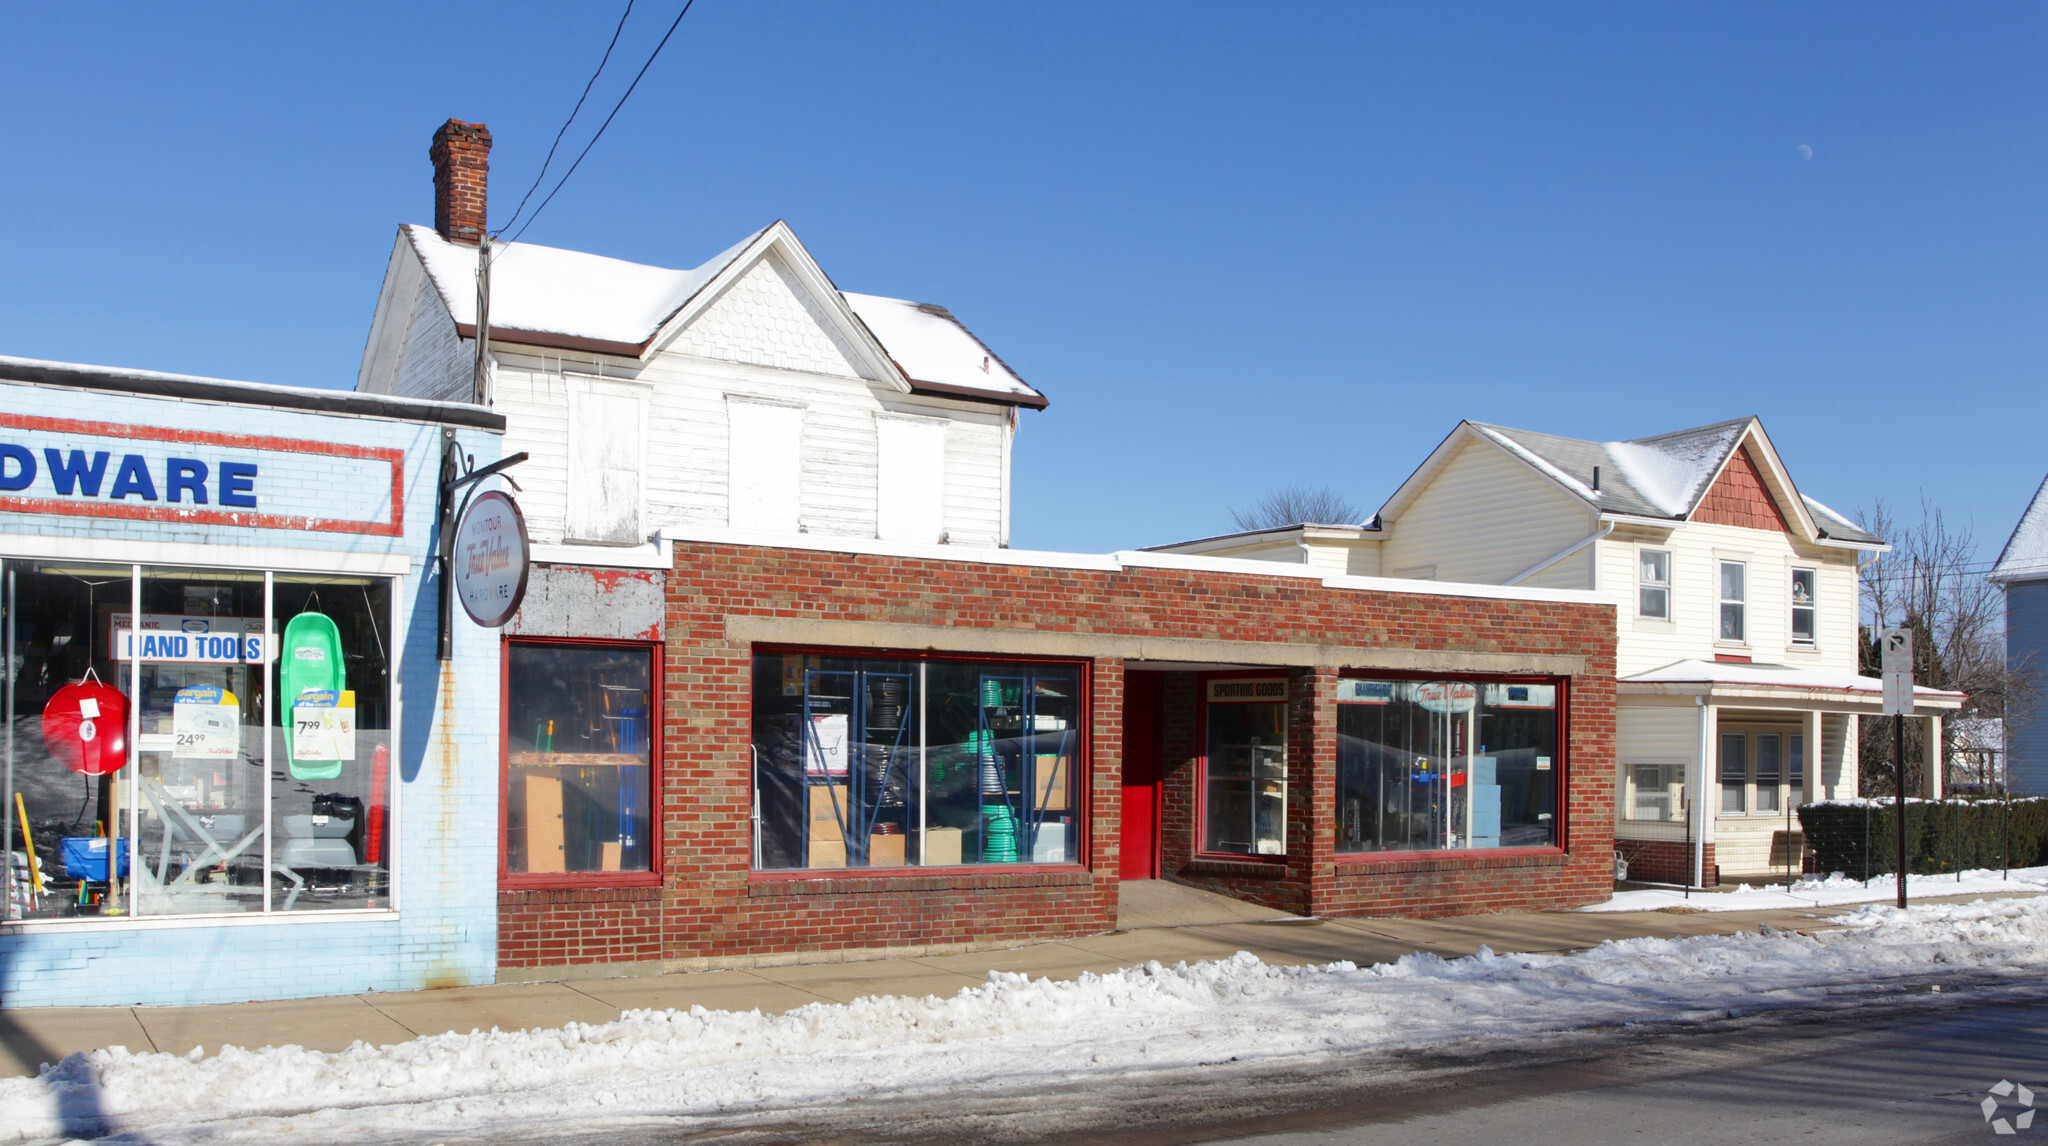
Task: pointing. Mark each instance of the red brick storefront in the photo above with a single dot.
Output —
(727, 601)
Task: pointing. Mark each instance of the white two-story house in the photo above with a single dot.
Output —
(1739, 694)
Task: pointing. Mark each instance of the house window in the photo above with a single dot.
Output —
(1734, 773)
(1768, 777)
(1656, 792)
(581, 722)
(228, 750)
(1734, 592)
(607, 447)
(1802, 606)
(866, 762)
(1653, 597)
(764, 482)
(1428, 765)
(1244, 770)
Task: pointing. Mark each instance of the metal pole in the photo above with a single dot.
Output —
(7, 801)
(1899, 796)
(1685, 801)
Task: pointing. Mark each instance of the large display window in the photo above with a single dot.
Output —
(1244, 766)
(194, 741)
(1430, 765)
(875, 762)
(581, 725)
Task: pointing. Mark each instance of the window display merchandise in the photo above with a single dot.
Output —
(155, 773)
(873, 762)
(1430, 765)
(579, 757)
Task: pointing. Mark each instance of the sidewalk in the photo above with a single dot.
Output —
(34, 1036)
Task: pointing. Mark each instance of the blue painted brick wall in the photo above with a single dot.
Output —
(446, 784)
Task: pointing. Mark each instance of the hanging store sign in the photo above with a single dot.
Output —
(491, 559)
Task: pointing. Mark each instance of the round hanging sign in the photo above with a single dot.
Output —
(86, 726)
(491, 558)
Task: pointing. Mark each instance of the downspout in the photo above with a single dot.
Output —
(1699, 802)
(1560, 555)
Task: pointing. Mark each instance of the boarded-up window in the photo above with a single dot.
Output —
(910, 479)
(765, 474)
(607, 442)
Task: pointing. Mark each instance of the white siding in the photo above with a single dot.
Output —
(1486, 517)
(976, 497)
(765, 444)
(1696, 550)
(1838, 779)
(910, 480)
(607, 447)
(766, 318)
(435, 363)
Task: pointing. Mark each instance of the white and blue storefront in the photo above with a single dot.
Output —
(236, 764)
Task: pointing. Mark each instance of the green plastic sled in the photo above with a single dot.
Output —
(311, 664)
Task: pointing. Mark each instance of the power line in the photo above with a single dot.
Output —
(572, 119)
(687, 4)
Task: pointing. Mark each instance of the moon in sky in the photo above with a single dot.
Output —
(1805, 151)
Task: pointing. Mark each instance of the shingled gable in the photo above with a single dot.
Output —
(1726, 472)
(548, 297)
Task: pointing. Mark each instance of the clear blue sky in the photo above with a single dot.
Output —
(1238, 245)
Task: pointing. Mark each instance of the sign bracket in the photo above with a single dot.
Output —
(459, 472)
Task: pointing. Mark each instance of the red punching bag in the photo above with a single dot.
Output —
(86, 726)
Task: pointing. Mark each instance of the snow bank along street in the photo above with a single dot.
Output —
(1011, 1032)
(1830, 891)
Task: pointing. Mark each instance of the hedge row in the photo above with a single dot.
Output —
(1858, 837)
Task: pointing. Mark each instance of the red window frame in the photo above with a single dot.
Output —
(1084, 764)
(1202, 705)
(512, 880)
(1561, 766)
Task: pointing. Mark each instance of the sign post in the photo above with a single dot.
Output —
(1895, 650)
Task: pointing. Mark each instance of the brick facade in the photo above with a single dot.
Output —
(1665, 861)
(713, 908)
(1739, 497)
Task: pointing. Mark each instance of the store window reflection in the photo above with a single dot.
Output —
(579, 737)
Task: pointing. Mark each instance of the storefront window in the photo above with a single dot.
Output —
(1244, 773)
(580, 723)
(871, 762)
(1430, 765)
(153, 770)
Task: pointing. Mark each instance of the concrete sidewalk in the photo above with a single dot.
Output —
(1163, 924)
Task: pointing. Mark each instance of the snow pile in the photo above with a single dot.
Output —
(1012, 1032)
(1830, 891)
(1671, 482)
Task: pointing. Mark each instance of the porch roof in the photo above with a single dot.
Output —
(1733, 681)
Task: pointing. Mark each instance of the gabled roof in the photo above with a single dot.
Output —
(546, 296)
(1662, 476)
(2025, 556)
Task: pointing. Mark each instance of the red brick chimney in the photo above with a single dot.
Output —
(462, 168)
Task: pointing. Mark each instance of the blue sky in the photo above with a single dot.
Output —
(1239, 246)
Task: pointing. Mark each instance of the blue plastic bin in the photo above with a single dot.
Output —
(85, 857)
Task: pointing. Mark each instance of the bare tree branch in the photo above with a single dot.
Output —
(1298, 505)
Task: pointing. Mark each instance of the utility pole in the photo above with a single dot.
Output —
(480, 374)
(1895, 648)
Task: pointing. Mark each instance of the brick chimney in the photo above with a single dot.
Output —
(462, 168)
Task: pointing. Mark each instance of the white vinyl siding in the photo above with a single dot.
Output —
(435, 363)
(910, 479)
(1486, 517)
(765, 448)
(607, 448)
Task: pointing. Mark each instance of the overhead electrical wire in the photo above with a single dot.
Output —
(546, 163)
(677, 22)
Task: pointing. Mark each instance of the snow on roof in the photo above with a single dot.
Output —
(931, 346)
(1781, 676)
(552, 291)
(2025, 556)
(1508, 440)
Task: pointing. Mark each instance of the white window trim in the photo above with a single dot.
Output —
(1670, 565)
(1792, 642)
(1720, 559)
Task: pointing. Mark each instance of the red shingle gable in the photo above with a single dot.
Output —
(1739, 497)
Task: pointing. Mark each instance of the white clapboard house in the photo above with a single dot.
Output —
(2022, 572)
(746, 393)
(1738, 600)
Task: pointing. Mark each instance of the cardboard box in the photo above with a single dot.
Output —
(827, 852)
(828, 808)
(544, 825)
(941, 846)
(1049, 844)
(1049, 783)
(612, 856)
(886, 851)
